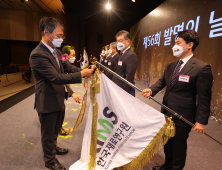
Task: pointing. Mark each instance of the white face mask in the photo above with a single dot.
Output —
(110, 51)
(56, 41)
(177, 50)
(72, 60)
(120, 46)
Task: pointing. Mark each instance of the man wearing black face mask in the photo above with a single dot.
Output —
(127, 62)
(184, 79)
(50, 90)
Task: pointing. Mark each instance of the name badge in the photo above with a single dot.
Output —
(184, 78)
(120, 63)
(109, 63)
(102, 59)
(105, 61)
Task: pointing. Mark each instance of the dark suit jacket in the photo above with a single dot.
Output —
(127, 70)
(113, 62)
(181, 97)
(102, 61)
(50, 79)
(70, 92)
(107, 60)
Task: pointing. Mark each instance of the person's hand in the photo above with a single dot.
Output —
(76, 97)
(146, 93)
(199, 127)
(87, 72)
(93, 67)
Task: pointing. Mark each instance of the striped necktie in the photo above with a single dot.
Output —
(176, 72)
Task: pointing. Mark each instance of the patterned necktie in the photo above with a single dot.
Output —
(176, 72)
(120, 55)
(55, 56)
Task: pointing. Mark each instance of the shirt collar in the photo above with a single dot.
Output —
(185, 60)
(114, 55)
(125, 50)
(50, 48)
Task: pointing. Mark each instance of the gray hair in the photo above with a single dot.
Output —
(49, 24)
(114, 45)
(125, 34)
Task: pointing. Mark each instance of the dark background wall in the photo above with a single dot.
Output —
(19, 34)
(88, 24)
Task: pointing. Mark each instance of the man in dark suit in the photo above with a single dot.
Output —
(108, 55)
(113, 60)
(102, 58)
(48, 71)
(127, 62)
(69, 52)
(184, 79)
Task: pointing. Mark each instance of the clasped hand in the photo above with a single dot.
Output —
(146, 93)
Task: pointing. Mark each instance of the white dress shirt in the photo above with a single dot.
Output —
(185, 60)
(125, 50)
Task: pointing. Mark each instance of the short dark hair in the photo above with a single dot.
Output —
(126, 34)
(49, 24)
(190, 36)
(114, 45)
(66, 49)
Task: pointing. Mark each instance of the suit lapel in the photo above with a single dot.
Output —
(124, 55)
(113, 57)
(117, 63)
(188, 66)
(51, 57)
(121, 58)
(60, 62)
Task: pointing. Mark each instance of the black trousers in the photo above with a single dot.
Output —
(63, 116)
(50, 126)
(176, 149)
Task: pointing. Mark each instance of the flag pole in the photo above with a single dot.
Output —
(164, 106)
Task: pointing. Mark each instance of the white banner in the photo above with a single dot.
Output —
(125, 127)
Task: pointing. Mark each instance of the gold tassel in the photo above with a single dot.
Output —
(165, 133)
(94, 88)
(82, 111)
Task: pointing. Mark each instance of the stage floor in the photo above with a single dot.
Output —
(12, 85)
(21, 141)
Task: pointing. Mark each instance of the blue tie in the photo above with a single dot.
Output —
(176, 72)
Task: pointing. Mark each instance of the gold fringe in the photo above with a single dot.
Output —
(166, 132)
(94, 88)
(82, 111)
